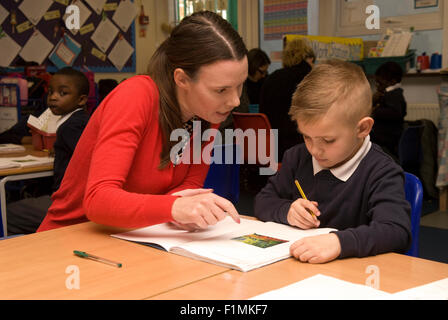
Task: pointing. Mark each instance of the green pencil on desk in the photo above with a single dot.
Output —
(303, 196)
(83, 254)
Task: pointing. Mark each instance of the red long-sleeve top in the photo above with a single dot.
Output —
(113, 176)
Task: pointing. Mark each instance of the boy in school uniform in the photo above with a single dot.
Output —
(352, 184)
(67, 96)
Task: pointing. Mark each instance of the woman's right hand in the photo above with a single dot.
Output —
(202, 210)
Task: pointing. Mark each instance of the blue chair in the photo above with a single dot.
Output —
(414, 195)
(224, 173)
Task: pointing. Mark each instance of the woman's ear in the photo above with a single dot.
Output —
(181, 78)
(364, 127)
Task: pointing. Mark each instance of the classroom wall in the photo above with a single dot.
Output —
(158, 12)
(417, 90)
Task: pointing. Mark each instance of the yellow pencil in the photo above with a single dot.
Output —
(303, 196)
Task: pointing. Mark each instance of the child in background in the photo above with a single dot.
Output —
(389, 108)
(67, 96)
(352, 184)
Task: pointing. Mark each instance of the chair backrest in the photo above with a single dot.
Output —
(410, 152)
(224, 173)
(414, 195)
(255, 121)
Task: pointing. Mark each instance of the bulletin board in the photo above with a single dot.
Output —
(116, 54)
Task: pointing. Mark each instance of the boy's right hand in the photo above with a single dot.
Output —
(299, 216)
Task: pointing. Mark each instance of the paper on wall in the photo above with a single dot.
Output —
(35, 10)
(96, 5)
(104, 34)
(10, 49)
(120, 53)
(36, 48)
(3, 14)
(125, 14)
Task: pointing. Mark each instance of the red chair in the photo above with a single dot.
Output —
(258, 140)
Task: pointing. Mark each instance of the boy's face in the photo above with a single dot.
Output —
(331, 140)
(63, 96)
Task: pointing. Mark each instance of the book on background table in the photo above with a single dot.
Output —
(25, 162)
(10, 148)
(245, 246)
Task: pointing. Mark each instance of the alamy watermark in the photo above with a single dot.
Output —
(262, 147)
(72, 21)
(373, 20)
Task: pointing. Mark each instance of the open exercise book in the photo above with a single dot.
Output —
(24, 162)
(10, 148)
(245, 246)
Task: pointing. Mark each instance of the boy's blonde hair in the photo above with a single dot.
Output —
(295, 52)
(333, 83)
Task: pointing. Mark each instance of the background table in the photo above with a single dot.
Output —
(14, 174)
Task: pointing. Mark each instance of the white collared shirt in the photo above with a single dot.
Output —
(64, 118)
(395, 86)
(345, 171)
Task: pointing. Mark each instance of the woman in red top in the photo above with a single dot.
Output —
(121, 173)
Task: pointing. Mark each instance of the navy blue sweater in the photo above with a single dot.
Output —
(67, 136)
(369, 209)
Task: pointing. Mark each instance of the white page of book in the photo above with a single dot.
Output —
(322, 287)
(261, 242)
(437, 290)
(24, 162)
(167, 235)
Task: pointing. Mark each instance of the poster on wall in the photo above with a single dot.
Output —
(285, 17)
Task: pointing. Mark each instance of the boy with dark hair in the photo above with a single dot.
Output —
(389, 108)
(352, 184)
(67, 96)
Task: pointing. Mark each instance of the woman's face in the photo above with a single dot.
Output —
(214, 92)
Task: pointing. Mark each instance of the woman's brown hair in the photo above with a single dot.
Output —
(199, 40)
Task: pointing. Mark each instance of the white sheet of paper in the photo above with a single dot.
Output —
(322, 287)
(96, 5)
(120, 53)
(37, 48)
(125, 14)
(104, 34)
(10, 49)
(437, 290)
(35, 10)
(3, 14)
(84, 14)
